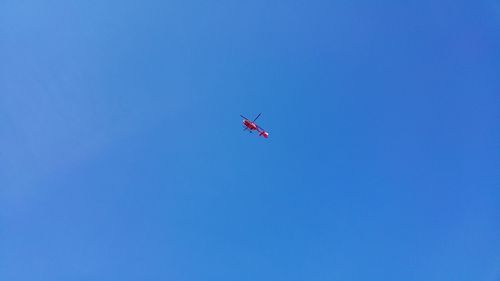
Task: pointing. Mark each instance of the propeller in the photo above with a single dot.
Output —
(244, 117)
(257, 117)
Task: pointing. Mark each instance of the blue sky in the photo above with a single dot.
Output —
(122, 155)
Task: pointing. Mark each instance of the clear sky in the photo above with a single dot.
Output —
(122, 155)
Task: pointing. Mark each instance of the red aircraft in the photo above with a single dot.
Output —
(251, 126)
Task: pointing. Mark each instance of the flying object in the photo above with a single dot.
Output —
(252, 126)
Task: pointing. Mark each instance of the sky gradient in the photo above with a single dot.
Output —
(122, 155)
